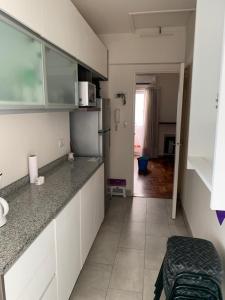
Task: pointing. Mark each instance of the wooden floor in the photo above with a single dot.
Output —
(159, 181)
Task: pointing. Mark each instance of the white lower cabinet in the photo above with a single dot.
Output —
(87, 218)
(49, 268)
(51, 293)
(68, 260)
(32, 273)
(92, 210)
(67, 28)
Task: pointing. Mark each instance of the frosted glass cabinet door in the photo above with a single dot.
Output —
(61, 73)
(21, 71)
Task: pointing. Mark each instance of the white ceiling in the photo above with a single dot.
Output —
(118, 16)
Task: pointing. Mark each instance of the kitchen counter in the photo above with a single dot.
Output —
(32, 208)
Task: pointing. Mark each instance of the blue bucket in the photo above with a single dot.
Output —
(143, 164)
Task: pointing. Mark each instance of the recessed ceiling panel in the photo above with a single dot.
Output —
(168, 19)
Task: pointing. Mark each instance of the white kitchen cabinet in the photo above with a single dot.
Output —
(217, 197)
(88, 216)
(62, 30)
(205, 87)
(61, 79)
(61, 249)
(206, 130)
(91, 49)
(59, 22)
(27, 12)
(67, 234)
(205, 78)
(92, 210)
(74, 35)
(32, 273)
(21, 55)
(51, 293)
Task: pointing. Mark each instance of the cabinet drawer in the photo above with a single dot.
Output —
(30, 275)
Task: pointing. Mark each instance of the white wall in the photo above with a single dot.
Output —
(195, 195)
(190, 30)
(126, 48)
(31, 133)
(122, 78)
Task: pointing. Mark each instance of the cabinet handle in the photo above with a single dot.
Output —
(217, 101)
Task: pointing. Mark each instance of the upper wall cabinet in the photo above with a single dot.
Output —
(218, 197)
(74, 35)
(61, 79)
(60, 22)
(21, 72)
(207, 98)
(205, 79)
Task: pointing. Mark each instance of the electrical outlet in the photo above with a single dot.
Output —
(61, 143)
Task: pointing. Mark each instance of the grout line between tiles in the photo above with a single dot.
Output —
(144, 253)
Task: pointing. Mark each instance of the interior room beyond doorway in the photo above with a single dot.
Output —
(155, 134)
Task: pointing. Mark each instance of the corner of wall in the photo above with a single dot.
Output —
(190, 34)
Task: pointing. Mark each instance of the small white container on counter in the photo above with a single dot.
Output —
(40, 180)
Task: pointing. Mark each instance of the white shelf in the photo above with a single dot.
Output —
(203, 168)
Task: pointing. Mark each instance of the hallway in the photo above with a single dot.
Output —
(159, 181)
(126, 256)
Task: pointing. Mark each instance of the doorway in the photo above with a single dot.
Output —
(156, 99)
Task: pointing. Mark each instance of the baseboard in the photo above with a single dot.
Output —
(186, 220)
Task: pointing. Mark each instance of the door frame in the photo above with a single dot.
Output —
(178, 140)
(152, 70)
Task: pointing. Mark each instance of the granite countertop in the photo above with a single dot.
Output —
(32, 208)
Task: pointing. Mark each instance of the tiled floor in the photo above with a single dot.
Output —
(158, 183)
(126, 256)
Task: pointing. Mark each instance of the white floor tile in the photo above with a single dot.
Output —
(123, 295)
(130, 257)
(127, 278)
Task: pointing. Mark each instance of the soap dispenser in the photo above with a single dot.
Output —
(4, 209)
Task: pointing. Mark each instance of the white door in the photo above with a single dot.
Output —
(177, 149)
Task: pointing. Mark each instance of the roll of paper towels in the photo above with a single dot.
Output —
(33, 168)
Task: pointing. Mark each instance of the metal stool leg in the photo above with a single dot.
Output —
(159, 284)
